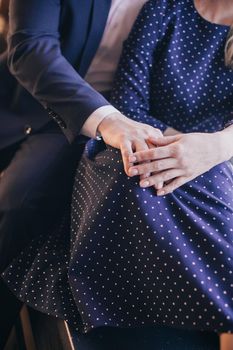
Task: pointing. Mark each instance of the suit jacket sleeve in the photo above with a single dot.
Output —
(132, 91)
(36, 60)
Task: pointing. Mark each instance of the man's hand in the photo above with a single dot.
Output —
(127, 135)
(178, 159)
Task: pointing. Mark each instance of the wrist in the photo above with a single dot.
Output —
(109, 121)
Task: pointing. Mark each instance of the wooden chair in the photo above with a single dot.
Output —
(37, 331)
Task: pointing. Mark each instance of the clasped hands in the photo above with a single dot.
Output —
(163, 162)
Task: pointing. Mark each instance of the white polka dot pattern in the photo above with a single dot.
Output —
(137, 259)
(172, 72)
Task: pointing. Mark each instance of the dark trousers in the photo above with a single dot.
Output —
(148, 338)
(36, 177)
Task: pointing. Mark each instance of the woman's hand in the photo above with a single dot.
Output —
(178, 159)
(127, 135)
(171, 132)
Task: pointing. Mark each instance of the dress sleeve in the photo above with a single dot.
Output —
(132, 90)
(36, 61)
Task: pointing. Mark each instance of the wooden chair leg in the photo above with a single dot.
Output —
(12, 343)
(35, 331)
(226, 341)
(50, 333)
(27, 329)
(65, 334)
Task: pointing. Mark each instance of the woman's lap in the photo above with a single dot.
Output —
(136, 259)
(156, 249)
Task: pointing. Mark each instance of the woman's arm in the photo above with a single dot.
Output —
(132, 90)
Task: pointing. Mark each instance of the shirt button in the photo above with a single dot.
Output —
(62, 124)
(27, 130)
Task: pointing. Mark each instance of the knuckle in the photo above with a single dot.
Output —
(139, 133)
(152, 153)
(145, 168)
(139, 158)
(165, 176)
(177, 149)
(156, 166)
(173, 151)
(184, 164)
(182, 161)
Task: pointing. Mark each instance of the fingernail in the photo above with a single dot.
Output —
(145, 184)
(161, 193)
(133, 172)
(132, 159)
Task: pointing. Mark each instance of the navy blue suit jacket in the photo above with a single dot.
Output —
(50, 47)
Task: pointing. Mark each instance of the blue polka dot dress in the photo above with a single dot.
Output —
(133, 259)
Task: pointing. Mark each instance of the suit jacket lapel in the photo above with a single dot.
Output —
(99, 18)
(76, 20)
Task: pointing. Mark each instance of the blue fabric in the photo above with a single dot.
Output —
(99, 15)
(135, 259)
(174, 71)
(50, 48)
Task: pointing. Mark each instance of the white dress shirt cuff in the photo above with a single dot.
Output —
(90, 126)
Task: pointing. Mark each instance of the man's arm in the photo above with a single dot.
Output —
(35, 59)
